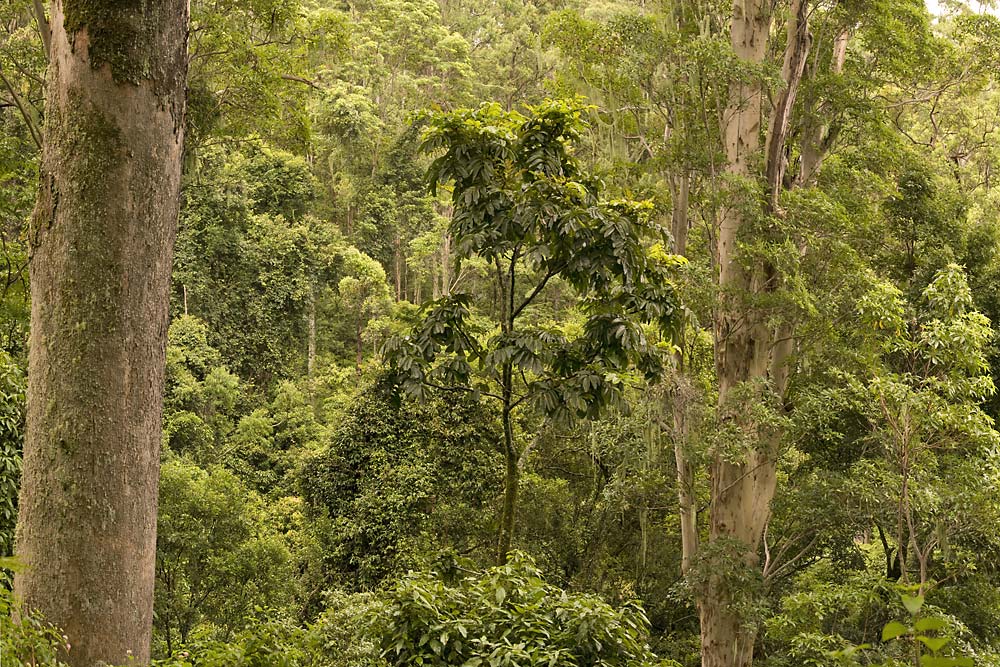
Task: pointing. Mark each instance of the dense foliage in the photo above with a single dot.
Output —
(446, 288)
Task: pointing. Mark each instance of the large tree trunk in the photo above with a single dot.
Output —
(750, 361)
(101, 239)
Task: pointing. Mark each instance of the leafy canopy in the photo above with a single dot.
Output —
(523, 203)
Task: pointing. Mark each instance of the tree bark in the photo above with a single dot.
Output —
(512, 471)
(796, 54)
(101, 241)
(742, 485)
(446, 266)
(818, 134)
(680, 396)
(511, 482)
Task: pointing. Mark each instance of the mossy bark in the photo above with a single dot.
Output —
(102, 241)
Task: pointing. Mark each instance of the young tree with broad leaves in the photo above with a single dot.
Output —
(524, 206)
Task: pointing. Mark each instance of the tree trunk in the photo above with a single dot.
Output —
(511, 482)
(741, 487)
(751, 354)
(512, 471)
(311, 333)
(101, 240)
(796, 54)
(446, 266)
(818, 135)
(680, 396)
(686, 494)
(398, 270)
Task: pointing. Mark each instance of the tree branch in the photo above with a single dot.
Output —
(538, 288)
(35, 135)
(43, 26)
(299, 79)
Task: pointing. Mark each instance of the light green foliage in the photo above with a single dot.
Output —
(27, 639)
(509, 615)
(930, 421)
(12, 386)
(202, 396)
(273, 182)
(522, 203)
(594, 504)
(507, 57)
(401, 56)
(269, 442)
(241, 55)
(248, 261)
(825, 614)
(217, 559)
(346, 635)
(924, 639)
(267, 643)
(542, 268)
(22, 66)
(363, 292)
(525, 208)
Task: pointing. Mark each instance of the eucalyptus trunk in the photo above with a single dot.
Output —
(681, 394)
(101, 243)
(751, 354)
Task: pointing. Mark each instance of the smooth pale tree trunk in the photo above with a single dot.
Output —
(681, 394)
(101, 241)
(818, 135)
(751, 355)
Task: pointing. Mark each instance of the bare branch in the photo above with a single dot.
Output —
(43, 26)
(28, 120)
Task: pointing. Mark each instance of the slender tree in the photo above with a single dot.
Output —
(523, 204)
(101, 241)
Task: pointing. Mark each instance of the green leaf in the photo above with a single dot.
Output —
(938, 661)
(12, 564)
(934, 644)
(501, 594)
(893, 629)
(930, 623)
(913, 603)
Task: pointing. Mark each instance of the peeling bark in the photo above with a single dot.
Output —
(818, 135)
